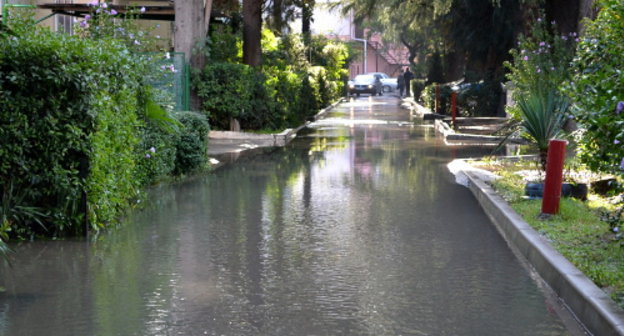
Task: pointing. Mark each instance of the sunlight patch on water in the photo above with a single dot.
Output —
(363, 103)
(352, 122)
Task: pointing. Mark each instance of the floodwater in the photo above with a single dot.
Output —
(356, 228)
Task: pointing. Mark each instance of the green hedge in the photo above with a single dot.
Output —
(270, 100)
(597, 89)
(293, 83)
(68, 119)
(192, 144)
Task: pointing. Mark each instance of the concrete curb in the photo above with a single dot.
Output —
(269, 140)
(593, 308)
(449, 134)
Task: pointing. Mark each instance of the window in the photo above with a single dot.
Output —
(65, 23)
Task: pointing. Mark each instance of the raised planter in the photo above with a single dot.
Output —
(593, 308)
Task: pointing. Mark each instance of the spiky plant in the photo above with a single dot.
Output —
(543, 114)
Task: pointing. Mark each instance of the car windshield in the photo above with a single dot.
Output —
(364, 78)
(383, 75)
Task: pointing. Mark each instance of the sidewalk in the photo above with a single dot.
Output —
(227, 146)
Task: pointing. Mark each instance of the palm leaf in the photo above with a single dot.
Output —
(543, 115)
(161, 117)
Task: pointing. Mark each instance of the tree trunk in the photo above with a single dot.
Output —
(277, 16)
(307, 10)
(565, 13)
(190, 28)
(586, 10)
(252, 32)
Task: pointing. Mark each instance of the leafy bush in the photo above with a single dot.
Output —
(542, 60)
(284, 86)
(293, 83)
(192, 144)
(418, 86)
(224, 90)
(155, 154)
(223, 46)
(543, 115)
(597, 89)
(478, 99)
(68, 106)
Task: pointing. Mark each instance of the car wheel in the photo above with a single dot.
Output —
(386, 88)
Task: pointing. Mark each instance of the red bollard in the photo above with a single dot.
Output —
(554, 176)
(454, 107)
(437, 98)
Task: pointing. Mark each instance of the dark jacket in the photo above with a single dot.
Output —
(408, 75)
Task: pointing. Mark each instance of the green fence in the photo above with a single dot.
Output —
(170, 79)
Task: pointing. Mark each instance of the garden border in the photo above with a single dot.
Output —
(594, 309)
(232, 144)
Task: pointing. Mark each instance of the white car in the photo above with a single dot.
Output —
(368, 83)
(388, 84)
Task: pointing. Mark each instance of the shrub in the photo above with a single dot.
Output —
(541, 61)
(192, 143)
(479, 99)
(284, 92)
(542, 114)
(224, 90)
(155, 154)
(308, 101)
(284, 86)
(597, 89)
(264, 113)
(68, 110)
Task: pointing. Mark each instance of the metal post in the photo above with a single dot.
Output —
(437, 98)
(554, 176)
(454, 108)
(365, 53)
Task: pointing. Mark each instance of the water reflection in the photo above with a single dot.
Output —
(352, 230)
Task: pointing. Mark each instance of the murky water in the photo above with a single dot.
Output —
(356, 228)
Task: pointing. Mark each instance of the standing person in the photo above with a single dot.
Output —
(401, 83)
(408, 78)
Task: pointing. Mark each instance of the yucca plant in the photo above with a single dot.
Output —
(13, 212)
(543, 113)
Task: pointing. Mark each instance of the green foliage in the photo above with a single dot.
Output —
(577, 232)
(104, 23)
(223, 46)
(284, 92)
(264, 113)
(192, 144)
(541, 61)
(155, 154)
(308, 101)
(478, 99)
(543, 114)
(418, 87)
(63, 89)
(597, 89)
(224, 90)
(83, 133)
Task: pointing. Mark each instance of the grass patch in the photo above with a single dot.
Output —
(577, 232)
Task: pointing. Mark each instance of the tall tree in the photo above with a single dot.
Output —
(252, 32)
(307, 11)
(191, 26)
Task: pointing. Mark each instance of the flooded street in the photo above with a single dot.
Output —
(355, 228)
